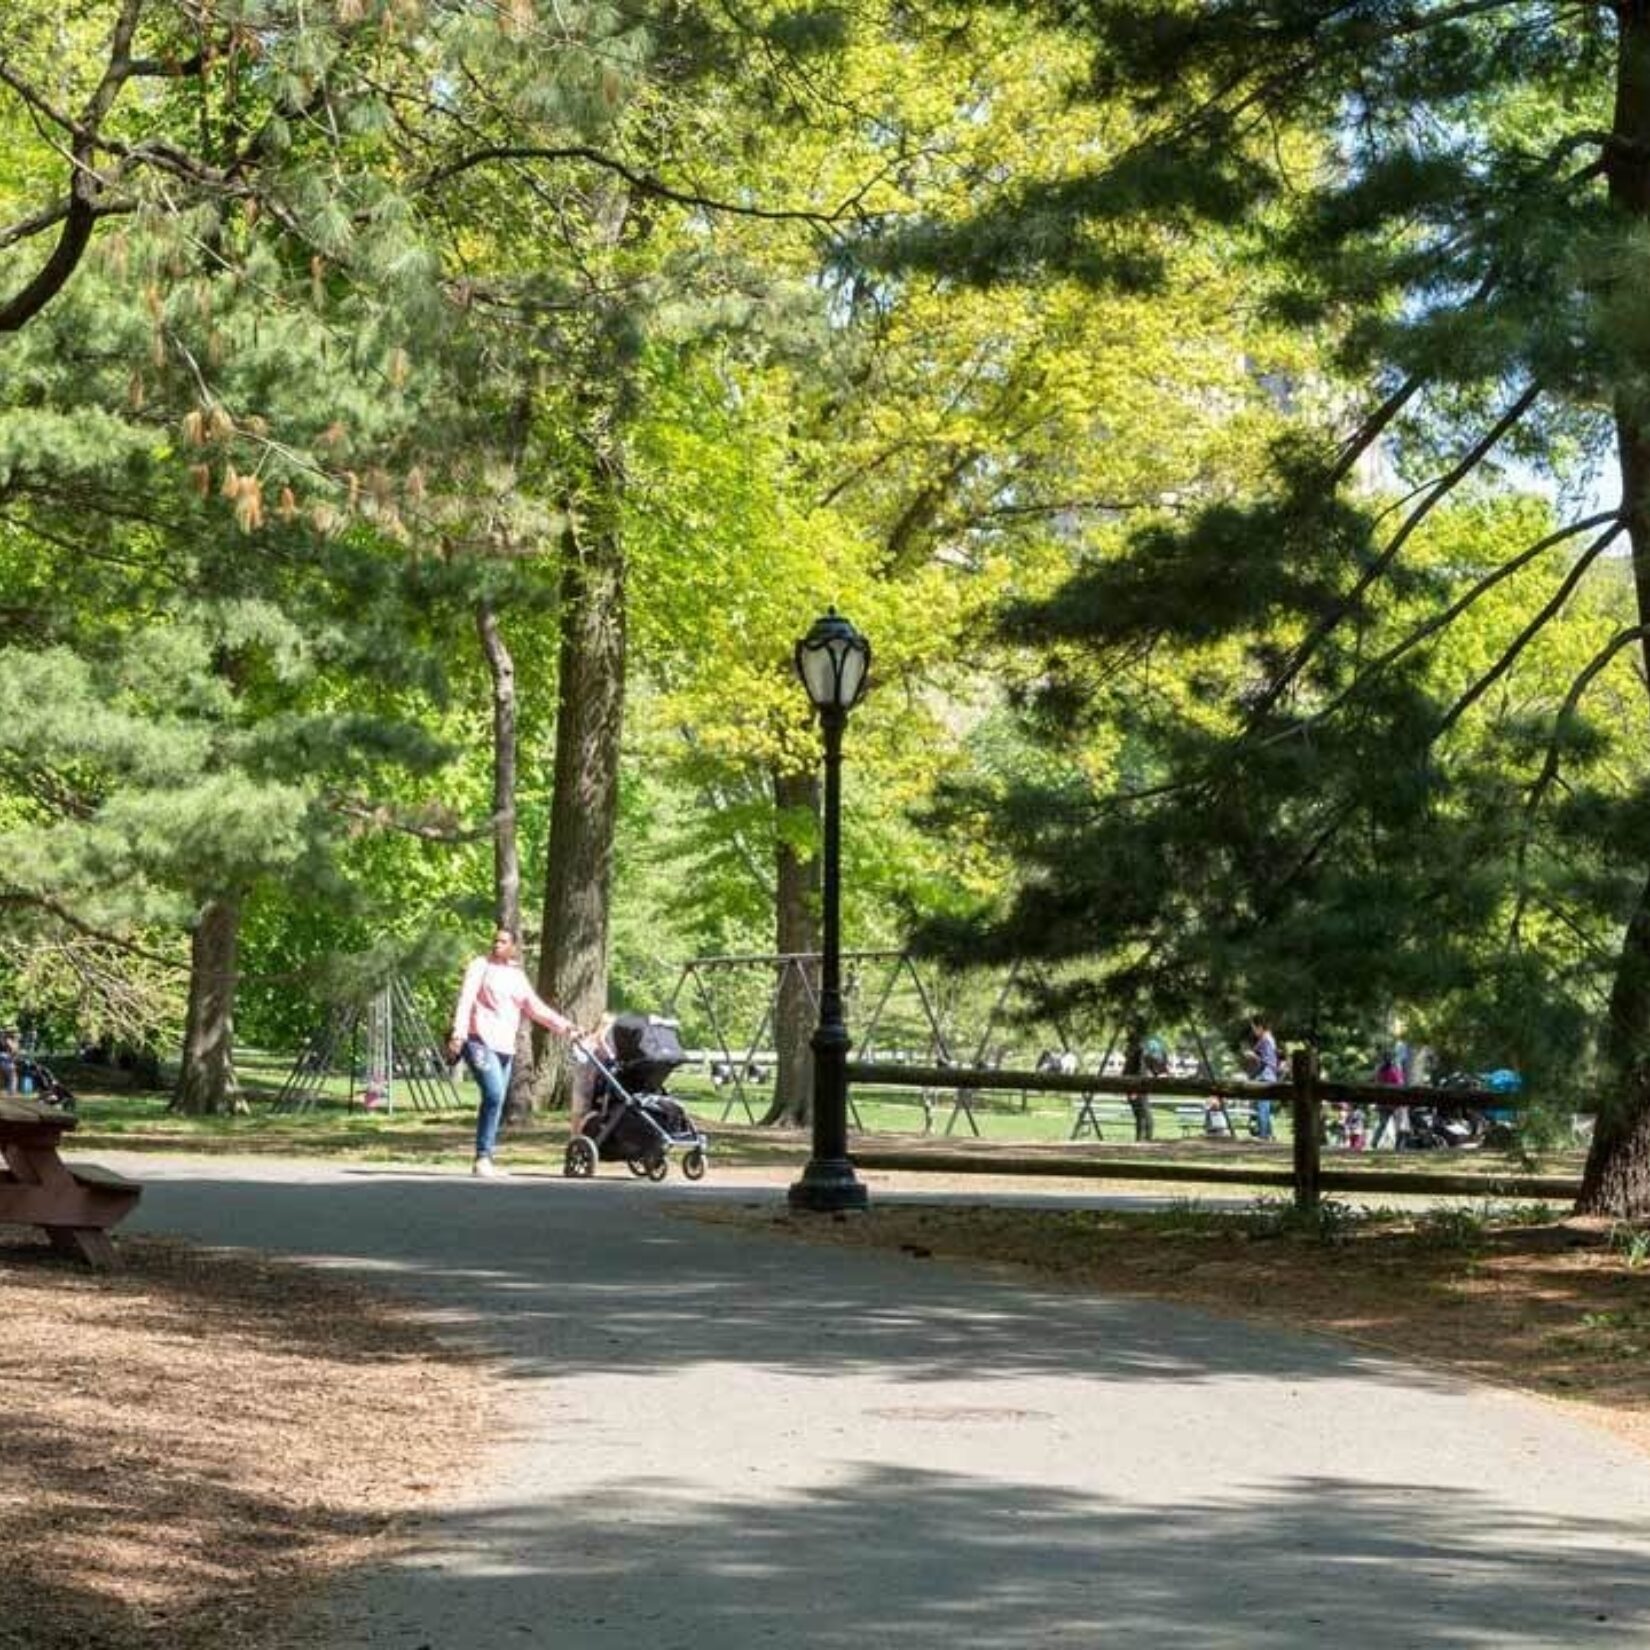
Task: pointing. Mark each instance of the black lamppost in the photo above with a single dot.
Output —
(833, 660)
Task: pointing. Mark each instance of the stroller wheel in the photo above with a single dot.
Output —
(693, 1164)
(636, 1165)
(580, 1162)
(656, 1168)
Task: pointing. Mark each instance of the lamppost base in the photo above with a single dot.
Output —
(828, 1185)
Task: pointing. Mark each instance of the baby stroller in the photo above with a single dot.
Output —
(632, 1120)
(33, 1079)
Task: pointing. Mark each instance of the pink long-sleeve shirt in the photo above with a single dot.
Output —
(493, 999)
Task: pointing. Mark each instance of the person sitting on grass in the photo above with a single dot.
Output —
(491, 1002)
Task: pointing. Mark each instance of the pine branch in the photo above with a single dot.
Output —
(44, 902)
(1548, 776)
(1369, 432)
(1450, 614)
(1578, 688)
(1436, 494)
(159, 567)
(644, 182)
(51, 216)
(1548, 610)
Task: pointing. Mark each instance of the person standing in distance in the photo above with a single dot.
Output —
(1264, 1051)
(491, 1002)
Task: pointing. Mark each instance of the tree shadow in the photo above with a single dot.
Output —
(742, 1545)
(116, 1548)
(553, 1278)
(900, 1556)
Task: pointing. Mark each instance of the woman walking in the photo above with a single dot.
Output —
(491, 1002)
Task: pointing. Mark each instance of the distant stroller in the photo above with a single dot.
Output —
(632, 1120)
(29, 1078)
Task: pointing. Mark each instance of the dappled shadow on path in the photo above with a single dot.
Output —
(918, 1558)
(556, 1280)
(699, 1511)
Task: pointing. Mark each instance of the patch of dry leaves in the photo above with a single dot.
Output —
(1553, 1309)
(190, 1442)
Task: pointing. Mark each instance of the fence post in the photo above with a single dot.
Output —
(1303, 1072)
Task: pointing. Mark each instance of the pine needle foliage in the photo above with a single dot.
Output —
(1454, 200)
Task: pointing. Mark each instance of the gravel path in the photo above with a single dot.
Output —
(720, 1441)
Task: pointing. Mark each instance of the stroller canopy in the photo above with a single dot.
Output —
(646, 1049)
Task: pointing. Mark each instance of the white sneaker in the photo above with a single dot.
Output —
(485, 1168)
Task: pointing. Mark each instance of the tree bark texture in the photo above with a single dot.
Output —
(206, 1082)
(796, 932)
(1616, 1180)
(501, 670)
(584, 806)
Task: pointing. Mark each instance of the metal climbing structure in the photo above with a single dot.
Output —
(383, 1044)
(870, 980)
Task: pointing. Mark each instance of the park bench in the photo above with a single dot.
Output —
(1194, 1119)
(1092, 1112)
(74, 1204)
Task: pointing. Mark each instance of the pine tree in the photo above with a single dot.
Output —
(1454, 198)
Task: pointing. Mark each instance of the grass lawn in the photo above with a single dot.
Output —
(117, 1116)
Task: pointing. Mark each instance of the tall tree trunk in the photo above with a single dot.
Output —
(796, 932)
(506, 858)
(1617, 1177)
(584, 808)
(501, 671)
(206, 1081)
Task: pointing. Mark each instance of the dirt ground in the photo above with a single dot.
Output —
(1557, 1308)
(189, 1443)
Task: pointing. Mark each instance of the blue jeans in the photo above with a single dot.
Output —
(1263, 1119)
(492, 1072)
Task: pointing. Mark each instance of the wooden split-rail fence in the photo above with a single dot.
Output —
(1306, 1093)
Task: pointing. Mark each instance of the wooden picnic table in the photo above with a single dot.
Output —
(75, 1203)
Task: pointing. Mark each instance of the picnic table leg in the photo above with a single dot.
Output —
(85, 1243)
(41, 1167)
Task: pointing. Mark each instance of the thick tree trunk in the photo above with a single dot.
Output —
(796, 932)
(1617, 1177)
(584, 807)
(206, 1082)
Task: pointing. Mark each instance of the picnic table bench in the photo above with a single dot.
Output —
(75, 1204)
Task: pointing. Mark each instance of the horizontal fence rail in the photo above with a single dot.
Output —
(1305, 1092)
(985, 1078)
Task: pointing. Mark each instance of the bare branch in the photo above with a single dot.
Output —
(1523, 639)
(50, 216)
(1436, 494)
(1450, 614)
(645, 182)
(44, 902)
(385, 818)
